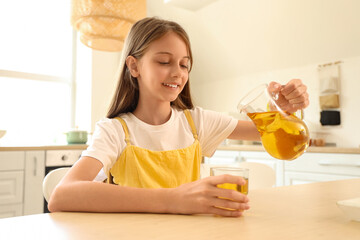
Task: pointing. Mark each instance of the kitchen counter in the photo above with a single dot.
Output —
(22, 171)
(234, 147)
(259, 148)
(50, 147)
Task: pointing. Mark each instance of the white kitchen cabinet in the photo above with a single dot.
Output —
(318, 167)
(223, 157)
(21, 176)
(11, 210)
(310, 167)
(10, 161)
(34, 175)
(11, 187)
(219, 158)
(11, 183)
(294, 178)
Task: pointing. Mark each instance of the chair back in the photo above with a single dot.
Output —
(52, 179)
(260, 175)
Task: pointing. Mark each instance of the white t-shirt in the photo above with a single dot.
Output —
(108, 140)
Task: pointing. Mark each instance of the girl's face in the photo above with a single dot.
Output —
(163, 69)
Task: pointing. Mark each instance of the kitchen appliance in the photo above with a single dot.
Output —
(58, 159)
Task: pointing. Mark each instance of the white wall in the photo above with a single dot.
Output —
(104, 68)
(262, 35)
(224, 95)
(238, 44)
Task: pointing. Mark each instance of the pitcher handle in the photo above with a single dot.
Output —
(300, 114)
(275, 95)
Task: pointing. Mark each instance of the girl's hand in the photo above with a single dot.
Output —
(292, 96)
(201, 197)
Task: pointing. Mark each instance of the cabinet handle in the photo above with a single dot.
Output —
(35, 166)
(327, 163)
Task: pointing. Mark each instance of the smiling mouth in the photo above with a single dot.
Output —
(170, 85)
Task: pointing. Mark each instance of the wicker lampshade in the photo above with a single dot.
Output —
(104, 24)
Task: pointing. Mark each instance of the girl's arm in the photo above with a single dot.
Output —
(78, 192)
(245, 130)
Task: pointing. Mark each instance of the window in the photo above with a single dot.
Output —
(37, 74)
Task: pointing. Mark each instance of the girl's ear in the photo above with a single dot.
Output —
(132, 65)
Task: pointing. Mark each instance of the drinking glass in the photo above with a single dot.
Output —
(284, 135)
(242, 172)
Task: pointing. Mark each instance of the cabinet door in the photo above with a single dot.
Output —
(11, 210)
(62, 157)
(223, 157)
(12, 160)
(34, 175)
(11, 187)
(294, 178)
(334, 163)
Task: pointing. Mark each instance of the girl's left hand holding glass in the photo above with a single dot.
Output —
(202, 197)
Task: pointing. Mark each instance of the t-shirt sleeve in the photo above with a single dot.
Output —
(213, 128)
(105, 144)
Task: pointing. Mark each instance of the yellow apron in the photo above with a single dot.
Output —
(143, 168)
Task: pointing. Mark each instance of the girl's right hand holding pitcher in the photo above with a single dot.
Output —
(292, 96)
(202, 197)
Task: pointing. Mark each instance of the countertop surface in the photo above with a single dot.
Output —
(325, 149)
(234, 147)
(298, 212)
(49, 147)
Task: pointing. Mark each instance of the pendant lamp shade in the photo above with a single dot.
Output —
(104, 24)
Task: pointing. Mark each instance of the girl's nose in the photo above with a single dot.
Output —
(177, 71)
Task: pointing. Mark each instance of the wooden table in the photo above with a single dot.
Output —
(305, 211)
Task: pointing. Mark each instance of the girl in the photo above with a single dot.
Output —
(151, 143)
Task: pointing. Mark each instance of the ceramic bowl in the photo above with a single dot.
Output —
(76, 137)
(351, 208)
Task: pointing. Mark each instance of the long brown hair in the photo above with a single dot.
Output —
(141, 35)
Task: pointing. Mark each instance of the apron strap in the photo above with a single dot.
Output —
(191, 123)
(126, 131)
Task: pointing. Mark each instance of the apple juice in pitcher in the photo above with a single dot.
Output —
(283, 135)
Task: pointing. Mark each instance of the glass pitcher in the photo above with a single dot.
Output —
(284, 135)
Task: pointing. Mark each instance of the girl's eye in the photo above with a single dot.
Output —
(185, 66)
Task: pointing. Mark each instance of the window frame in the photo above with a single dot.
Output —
(71, 81)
